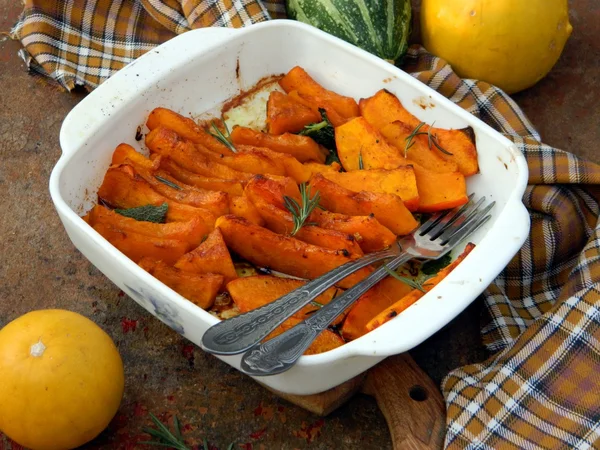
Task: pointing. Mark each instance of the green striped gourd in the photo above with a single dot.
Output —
(380, 27)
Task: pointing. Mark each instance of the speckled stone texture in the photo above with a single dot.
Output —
(165, 374)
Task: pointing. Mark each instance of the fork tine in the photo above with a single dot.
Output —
(469, 229)
(474, 217)
(459, 219)
(436, 219)
(453, 216)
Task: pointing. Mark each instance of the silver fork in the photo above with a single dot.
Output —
(240, 333)
(432, 240)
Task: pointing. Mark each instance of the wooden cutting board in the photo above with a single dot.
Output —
(410, 401)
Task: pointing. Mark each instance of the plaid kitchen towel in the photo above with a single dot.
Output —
(83, 42)
(541, 389)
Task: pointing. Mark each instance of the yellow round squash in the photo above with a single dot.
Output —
(61, 380)
(510, 43)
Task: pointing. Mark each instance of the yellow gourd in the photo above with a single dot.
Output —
(61, 380)
(510, 43)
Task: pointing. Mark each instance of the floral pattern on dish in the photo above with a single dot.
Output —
(161, 308)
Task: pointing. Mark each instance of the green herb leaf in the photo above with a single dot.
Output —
(301, 212)
(148, 213)
(360, 161)
(168, 183)
(164, 436)
(431, 140)
(323, 133)
(415, 284)
(409, 140)
(333, 157)
(224, 139)
(434, 266)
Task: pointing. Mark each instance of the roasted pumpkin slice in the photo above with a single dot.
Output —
(384, 108)
(318, 105)
(249, 293)
(414, 295)
(288, 115)
(315, 168)
(400, 182)
(232, 187)
(199, 288)
(461, 145)
(167, 143)
(137, 246)
(300, 147)
(369, 305)
(127, 152)
(268, 197)
(164, 184)
(361, 146)
(418, 150)
(388, 209)
(299, 80)
(440, 191)
(370, 235)
(327, 340)
(123, 188)
(288, 164)
(211, 256)
(191, 232)
(240, 205)
(186, 128)
(288, 255)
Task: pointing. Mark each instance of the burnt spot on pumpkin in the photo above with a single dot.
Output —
(392, 314)
(138, 133)
(470, 133)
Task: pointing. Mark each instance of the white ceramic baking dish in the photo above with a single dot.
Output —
(196, 72)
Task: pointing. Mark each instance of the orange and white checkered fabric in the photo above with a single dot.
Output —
(83, 42)
(541, 387)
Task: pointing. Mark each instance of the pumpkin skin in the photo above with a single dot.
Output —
(512, 44)
(381, 27)
(62, 380)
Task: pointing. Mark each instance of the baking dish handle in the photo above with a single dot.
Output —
(399, 335)
(90, 113)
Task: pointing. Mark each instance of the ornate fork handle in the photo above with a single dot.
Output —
(278, 354)
(238, 334)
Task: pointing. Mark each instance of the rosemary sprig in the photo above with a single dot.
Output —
(431, 139)
(301, 212)
(409, 140)
(415, 284)
(320, 305)
(317, 305)
(170, 440)
(360, 161)
(167, 182)
(224, 139)
(164, 436)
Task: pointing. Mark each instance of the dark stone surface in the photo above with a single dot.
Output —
(165, 375)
